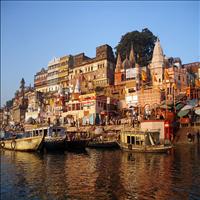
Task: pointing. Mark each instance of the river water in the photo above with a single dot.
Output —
(101, 175)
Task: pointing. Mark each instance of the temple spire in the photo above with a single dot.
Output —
(119, 63)
(132, 56)
(157, 53)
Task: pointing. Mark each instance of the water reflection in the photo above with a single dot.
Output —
(100, 174)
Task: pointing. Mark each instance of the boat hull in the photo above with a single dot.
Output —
(103, 144)
(54, 144)
(23, 144)
(146, 149)
(72, 145)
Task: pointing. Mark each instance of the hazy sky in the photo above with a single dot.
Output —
(32, 33)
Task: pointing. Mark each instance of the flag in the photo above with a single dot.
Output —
(166, 75)
(144, 75)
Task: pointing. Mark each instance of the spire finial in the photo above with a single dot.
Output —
(119, 62)
(132, 55)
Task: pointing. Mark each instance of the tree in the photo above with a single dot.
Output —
(143, 44)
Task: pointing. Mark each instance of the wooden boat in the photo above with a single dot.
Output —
(103, 144)
(54, 137)
(26, 141)
(77, 144)
(76, 141)
(140, 141)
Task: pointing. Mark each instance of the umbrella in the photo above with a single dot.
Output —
(179, 106)
(197, 111)
(182, 113)
(187, 107)
(192, 102)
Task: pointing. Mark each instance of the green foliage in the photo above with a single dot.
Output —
(143, 44)
(9, 103)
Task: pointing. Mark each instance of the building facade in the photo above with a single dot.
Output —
(40, 81)
(93, 72)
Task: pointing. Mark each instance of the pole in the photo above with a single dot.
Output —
(165, 99)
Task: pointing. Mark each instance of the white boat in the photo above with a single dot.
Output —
(142, 141)
(26, 141)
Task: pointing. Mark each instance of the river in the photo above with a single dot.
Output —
(101, 175)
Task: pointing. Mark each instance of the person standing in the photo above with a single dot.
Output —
(198, 136)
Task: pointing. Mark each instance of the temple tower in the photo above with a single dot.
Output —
(157, 64)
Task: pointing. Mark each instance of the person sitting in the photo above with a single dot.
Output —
(189, 136)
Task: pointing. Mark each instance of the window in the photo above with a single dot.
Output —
(99, 104)
(73, 106)
(78, 106)
(128, 139)
(168, 91)
(132, 140)
(123, 77)
(138, 140)
(45, 132)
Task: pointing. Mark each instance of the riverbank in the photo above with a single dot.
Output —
(180, 137)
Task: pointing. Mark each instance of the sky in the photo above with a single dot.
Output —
(34, 32)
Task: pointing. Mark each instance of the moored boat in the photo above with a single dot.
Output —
(26, 141)
(55, 138)
(142, 141)
(102, 144)
(76, 141)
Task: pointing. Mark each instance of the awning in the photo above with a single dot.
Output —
(182, 113)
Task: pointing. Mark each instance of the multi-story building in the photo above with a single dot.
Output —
(35, 106)
(55, 77)
(40, 81)
(88, 108)
(176, 80)
(93, 72)
(52, 75)
(63, 71)
(193, 89)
